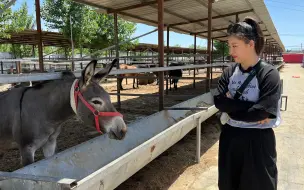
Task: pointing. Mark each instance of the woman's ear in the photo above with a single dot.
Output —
(251, 43)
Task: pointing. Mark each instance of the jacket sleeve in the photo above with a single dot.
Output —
(223, 103)
(267, 105)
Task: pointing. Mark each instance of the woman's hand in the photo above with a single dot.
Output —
(264, 121)
(228, 95)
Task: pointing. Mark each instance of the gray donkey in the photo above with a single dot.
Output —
(32, 116)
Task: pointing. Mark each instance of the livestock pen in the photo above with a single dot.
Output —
(102, 163)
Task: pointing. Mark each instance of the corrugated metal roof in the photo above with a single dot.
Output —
(29, 37)
(186, 12)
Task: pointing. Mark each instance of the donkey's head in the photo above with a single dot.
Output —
(93, 104)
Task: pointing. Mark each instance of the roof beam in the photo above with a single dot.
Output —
(137, 17)
(214, 30)
(142, 4)
(227, 35)
(167, 11)
(127, 14)
(213, 10)
(215, 17)
(134, 16)
(220, 37)
(151, 21)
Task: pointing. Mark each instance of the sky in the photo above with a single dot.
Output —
(286, 16)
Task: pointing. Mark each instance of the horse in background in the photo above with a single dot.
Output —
(134, 75)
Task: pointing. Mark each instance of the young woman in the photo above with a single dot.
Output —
(247, 147)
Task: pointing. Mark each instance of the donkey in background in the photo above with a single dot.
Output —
(32, 116)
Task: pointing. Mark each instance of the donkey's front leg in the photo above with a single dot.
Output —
(49, 147)
(27, 154)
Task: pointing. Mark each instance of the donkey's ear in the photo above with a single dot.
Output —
(105, 71)
(88, 72)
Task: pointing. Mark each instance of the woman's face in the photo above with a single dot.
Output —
(240, 50)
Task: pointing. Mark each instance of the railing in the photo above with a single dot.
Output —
(16, 78)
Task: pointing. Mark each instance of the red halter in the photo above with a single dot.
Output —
(96, 113)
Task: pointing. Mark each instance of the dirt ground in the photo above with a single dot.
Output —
(133, 108)
(162, 172)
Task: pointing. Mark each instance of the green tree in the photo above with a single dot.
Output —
(16, 21)
(5, 18)
(20, 21)
(88, 26)
(219, 48)
(5, 47)
(58, 15)
(197, 47)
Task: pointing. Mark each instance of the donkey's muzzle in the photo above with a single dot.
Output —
(118, 130)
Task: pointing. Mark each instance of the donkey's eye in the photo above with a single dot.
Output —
(97, 102)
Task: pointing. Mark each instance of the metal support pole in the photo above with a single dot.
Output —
(194, 59)
(275, 53)
(211, 62)
(161, 52)
(168, 52)
(223, 46)
(188, 69)
(209, 43)
(272, 51)
(270, 57)
(198, 139)
(237, 19)
(265, 51)
(1, 67)
(18, 67)
(39, 35)
(72, 43)
(269, 51)
(117, 56)
(33, 51)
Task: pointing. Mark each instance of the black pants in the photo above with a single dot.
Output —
(247, 159)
